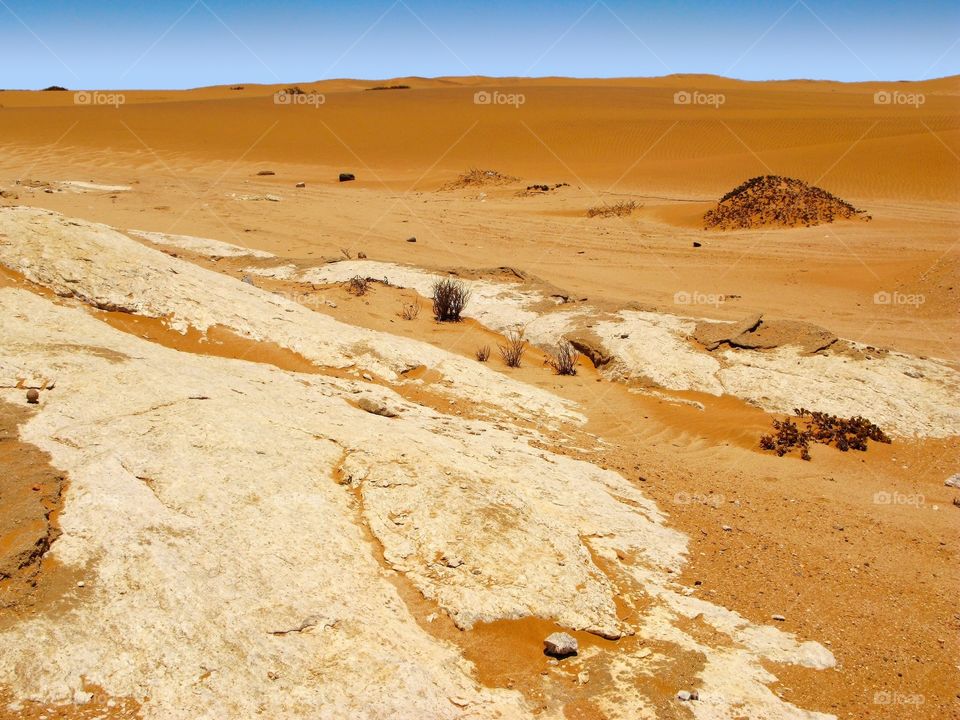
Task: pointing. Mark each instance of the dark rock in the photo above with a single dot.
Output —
(696, 244)
(266, 172)
(347, 177)
(411, 239)
(33, 397)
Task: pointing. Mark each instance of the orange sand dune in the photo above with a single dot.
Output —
(612, 133)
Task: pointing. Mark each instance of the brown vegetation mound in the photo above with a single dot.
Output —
(818, 427)
(475, 178)
(773, 200)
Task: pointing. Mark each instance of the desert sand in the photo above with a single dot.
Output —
(248, 487)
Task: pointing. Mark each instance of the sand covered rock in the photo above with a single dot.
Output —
(655, 349)
(773, 200)
(104, 268)
(222, 512)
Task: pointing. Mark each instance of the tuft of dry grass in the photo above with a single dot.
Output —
(483, 353)
(564, 360)
(449, 299)
(410, 310)
(619, 209)
(512, 350)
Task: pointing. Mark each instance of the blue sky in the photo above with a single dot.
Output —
(188, 43)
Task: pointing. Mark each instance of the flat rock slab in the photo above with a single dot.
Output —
(711, 335)
(769, 334)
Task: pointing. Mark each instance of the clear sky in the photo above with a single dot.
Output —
(187, 43)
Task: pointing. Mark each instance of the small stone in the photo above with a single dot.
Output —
(726, 528)
(644, 652)
(81, 584)
(953, 481)
(411, 239)
(694, 695)
(301, 185)
(33, 397)
(696, 244)
(347, 177)
(361, 255)
(560, 645)
(583, 677)
(683, 696)
(266, 172)
(248, 280)
(779, 618)
(272, 198)
(368, 377)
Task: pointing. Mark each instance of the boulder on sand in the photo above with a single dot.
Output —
(560, 645)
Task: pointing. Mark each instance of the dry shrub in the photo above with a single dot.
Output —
(483, 353)
(512, 350)
(410, 310)
(449, 299)
(564, 360)
(358, 285)
(818, 427)
(624, 207)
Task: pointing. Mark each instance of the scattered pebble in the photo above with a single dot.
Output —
(411, 239)
(726, 528)
(779, 618)
(301, 185)
(266, 172)
(33, 397)
(81, 584)
(683, 696)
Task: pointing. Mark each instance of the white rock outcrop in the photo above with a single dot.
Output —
(228, 516)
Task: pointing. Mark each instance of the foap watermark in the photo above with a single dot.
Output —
(485, 97)
(893, 697)
(685, 97)
(96, 98)
(883, 497)
(896, 297)
(683, 297)
(896, 97)
(714, 500)
(299, 97)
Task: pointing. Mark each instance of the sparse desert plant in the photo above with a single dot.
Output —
(619, 209)
(564, 360)
(812, 426)
(449, 299)
(358, 285)
(410, 310)
(512, 350)
(483, 353)
(346, 253)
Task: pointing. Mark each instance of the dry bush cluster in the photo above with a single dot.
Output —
(818, 427)
(358, 285)
(624, 207)
(449, 299)
(483, 353)
(564, 360)
(512, 350)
